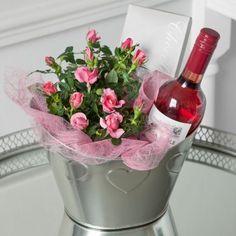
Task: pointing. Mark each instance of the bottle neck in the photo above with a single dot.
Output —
(198, 61)
(191, 76)
(196, 64)
(187, 81)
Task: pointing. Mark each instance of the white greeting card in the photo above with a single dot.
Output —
(162, 35)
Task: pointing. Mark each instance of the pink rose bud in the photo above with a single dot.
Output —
(138, 103)
(76, 99)
(139, 57)
(92, 36)
(89, 54)
(49, 88)
(112, 123)
(127, 44)
(138, 106)
(109, 101)
(49, 61)
(84, 75)
(79, 121)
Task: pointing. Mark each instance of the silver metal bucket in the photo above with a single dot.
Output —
(165, 226)
(111, 196)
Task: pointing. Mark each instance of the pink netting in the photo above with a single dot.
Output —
(57, 135)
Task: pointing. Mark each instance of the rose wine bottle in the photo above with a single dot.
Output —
(181, 102)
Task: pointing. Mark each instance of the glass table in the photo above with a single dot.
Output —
(203, 201)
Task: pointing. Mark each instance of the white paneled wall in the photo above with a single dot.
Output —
(225, 88)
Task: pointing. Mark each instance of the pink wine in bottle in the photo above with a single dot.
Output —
(181, 102)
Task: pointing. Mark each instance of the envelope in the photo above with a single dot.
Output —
(162, 35)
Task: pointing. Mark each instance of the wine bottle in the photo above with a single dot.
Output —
(181, 102)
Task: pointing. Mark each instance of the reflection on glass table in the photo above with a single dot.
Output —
(203, 201)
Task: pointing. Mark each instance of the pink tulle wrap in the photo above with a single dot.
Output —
(57, 135)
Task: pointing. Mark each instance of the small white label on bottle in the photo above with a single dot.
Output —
(179, 129)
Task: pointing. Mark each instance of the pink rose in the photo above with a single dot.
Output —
(139, 57)
(84, 75)
(92, 36)
(76, 99)
(112, 123)
(79, 121)
(109, 101)
(49, 60)
(89, 54)
(127, 44)
(49, 88)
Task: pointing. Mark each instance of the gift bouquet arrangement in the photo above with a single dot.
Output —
(97, 110)
(95, 94)
(101, 106)
(97, 106)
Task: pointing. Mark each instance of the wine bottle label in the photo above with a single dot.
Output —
(179, 129)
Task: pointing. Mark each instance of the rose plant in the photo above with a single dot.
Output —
(97, 92)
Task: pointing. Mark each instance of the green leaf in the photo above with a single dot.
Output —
(99, 91)
(80, 61)
(57, 69)
(133, 89)
(112, 77)
(122, 66)
(71, 68)
(133, 93)
(96, 45)
(71, 82)
(80, 86)
(95, 108)
(56, 98)
(65, 95)
(91, 130)
(62, 77)
(64, 86)
(117, 52)
(126, 78)
(55, 105)
(106, 50)
(57, 109)
(69, 49)
(100, 133)
(95, 62)
(116, 141)
(68, 55)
